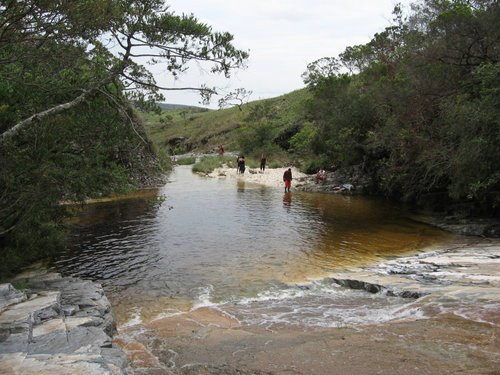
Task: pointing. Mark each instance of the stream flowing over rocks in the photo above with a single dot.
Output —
(57, 325)
(449, 325)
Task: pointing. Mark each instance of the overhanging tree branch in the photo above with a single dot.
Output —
(147, 28)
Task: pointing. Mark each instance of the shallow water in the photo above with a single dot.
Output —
(255, 253)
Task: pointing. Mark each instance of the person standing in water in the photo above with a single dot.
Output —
(263, 159)
(287, 178)
(241, 164)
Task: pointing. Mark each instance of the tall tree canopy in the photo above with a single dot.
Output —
(417, 106)
(68, 73)
(80, 48)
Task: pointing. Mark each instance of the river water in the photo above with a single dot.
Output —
(254, 252)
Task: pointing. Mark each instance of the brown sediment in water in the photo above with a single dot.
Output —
(458, 332)
(206, 341)
(115, 197)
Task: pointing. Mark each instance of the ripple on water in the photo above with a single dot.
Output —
(244, 241)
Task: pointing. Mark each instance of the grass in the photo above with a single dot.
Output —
(207, 164)
(177, 131)
(204, 130)
(186, 160)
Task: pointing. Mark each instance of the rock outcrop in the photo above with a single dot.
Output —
(57, 325)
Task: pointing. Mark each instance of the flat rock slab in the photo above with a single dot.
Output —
(60, 326)
(10, 296)
(63, 364)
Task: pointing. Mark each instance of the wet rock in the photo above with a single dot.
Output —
(407, 294)
(372, 287)
(492, 231)
(358, 284)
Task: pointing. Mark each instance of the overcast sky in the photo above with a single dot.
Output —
(282, 37)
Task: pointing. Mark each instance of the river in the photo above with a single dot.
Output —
(225, 253)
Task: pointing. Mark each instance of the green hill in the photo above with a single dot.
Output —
(195, 129)
(180, 107)
(412, 115)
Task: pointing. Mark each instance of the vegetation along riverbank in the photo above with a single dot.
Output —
(411, 115)
(69, 129)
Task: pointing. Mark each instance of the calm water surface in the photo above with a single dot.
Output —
(251, 250)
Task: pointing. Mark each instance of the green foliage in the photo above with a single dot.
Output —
(271, 124)
(313, 165)
(256, 137)
(186, 160)
(207, 164)
(68, 73)
(302, 141)
(82, 154)
(204, 130)
(421, 115)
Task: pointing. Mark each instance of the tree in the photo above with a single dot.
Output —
(419, 106)
(236, 98)
(320, 69)
(115, 48)
(69, 74)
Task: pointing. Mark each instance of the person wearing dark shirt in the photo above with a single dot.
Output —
(241, 164)
(263, 159)
(287, 178)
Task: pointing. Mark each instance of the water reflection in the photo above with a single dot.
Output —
(209, 238)
(240, 186)
(287, 199)
(108, 243)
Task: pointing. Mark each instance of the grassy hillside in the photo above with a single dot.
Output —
(195, 129)
(180, 107)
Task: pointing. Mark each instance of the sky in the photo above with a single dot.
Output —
(281, 36)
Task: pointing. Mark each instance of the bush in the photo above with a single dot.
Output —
(312, 166)
(207, 164)
(186, 160)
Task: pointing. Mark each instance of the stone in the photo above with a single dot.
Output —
(69, 310)
(36, 309)
(358, 284)
(64, 327)
(76, 340)
(16, 343)
(9, 296)
(492, 231)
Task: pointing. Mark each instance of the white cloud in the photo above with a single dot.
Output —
(282, 37)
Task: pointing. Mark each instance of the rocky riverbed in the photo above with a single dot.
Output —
(449, 325)
(57, 325)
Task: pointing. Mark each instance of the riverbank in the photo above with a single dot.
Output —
(337, 184)
(57, 325)
(272, 177)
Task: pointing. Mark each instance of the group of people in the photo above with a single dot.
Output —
(240, 161)
(287, 176)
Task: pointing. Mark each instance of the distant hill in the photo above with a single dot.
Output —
(177, 107)
(187, 128)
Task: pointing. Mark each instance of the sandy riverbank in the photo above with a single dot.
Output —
(272, 177)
